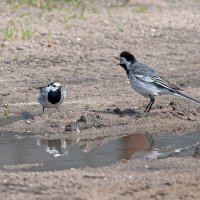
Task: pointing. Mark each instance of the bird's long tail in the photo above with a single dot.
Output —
(177, 93)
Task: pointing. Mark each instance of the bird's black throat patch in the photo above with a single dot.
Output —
(125, 68)
(54, 96)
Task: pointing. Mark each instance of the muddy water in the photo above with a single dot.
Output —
(63, 154)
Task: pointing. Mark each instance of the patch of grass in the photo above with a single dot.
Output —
(26, 14)
(6, 110)
(140, 8)
(82, 12)
(44, 4)
(120, 29)
(70, 16)
(16, 30)
(8, 33)
(79, 13)
(67, 19)
(26, 33)
(77, 3)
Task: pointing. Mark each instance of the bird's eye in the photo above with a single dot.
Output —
(54, 86)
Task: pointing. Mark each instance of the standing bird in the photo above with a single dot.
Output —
(51, 96)
(146, 82)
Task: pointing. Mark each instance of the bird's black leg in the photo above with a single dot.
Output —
(148, 108)
(43, 109)
(152, 102)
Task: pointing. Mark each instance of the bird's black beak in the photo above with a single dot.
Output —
(39, 88)
(117, 59)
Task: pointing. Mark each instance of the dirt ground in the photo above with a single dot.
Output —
(75, 45)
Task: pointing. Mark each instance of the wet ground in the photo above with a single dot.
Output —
(74, 44)
(58, 154)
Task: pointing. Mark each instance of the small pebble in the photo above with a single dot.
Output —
(20, 48)
(28, 121)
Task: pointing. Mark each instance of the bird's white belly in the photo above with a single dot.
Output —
(144, 88)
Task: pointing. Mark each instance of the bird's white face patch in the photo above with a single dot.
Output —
(58, 85)
(123, 61)
(54, 87)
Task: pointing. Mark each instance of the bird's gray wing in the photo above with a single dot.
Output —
(144, 78)
(160, 81)
(43, 90)
(143, 74)
(64, 94)
(42, 94)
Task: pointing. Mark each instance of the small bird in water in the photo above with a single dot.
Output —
(146, 82)
(51, 96)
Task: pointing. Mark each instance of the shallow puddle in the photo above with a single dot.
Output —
(11, 119)
(63, 154)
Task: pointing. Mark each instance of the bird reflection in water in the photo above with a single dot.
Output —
(122, 148)
(134, 143)
(56, 148)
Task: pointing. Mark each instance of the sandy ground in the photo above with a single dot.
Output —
(76, 45)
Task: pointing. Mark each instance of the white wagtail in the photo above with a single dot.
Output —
(146, 82)
(51, 96)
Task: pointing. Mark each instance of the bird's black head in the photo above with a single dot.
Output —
(126, 59)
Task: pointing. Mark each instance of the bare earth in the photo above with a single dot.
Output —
(76, 45)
